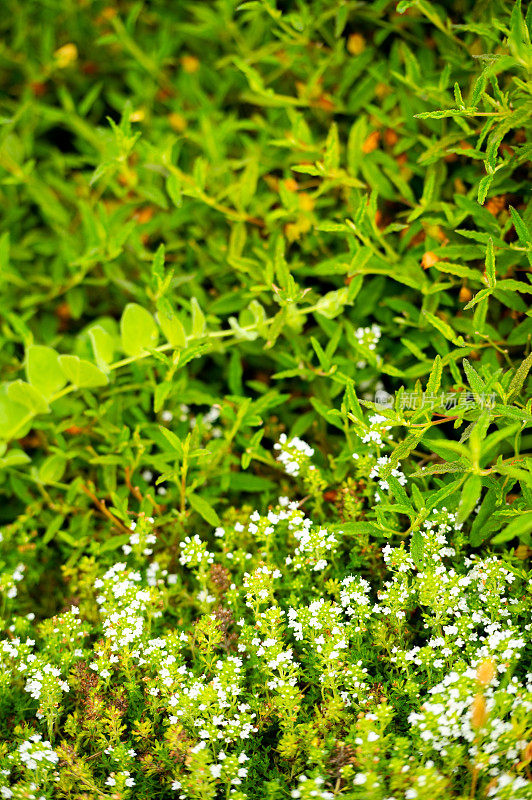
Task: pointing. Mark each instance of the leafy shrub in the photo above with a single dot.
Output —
(265, 471)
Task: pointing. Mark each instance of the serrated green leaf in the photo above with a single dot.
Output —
(434, 381)
(477, 298)
(444, 328)
(475, 381)
(417, 549)
(519, 378)
(439, 469)
(172, 439)
(490, 265)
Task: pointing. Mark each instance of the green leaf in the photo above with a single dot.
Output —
(477, 298)
(27, 395)
(352, 401)
(14, 458)
(469, 497)
(447, 449)
(174, 189)
(113, 543)
(523, 233)
(234, 377)
(329, 414)
(276, 327)
(204, 509)
(439, 469)
(172, 439)
(400, 496)
(490, 265)
(331, 159)
(434, 381)
(483, 187)
(54, 526)
(353, 527)
(157, 267)
(322, 358)
(162, 390)
(520, 526)
(433, 499)
(417, 549)
(82, 373)
(444, 328)
(43, 370)
(103, 346)
(52, 468)
(170, 323)
(138, 330)
(15, 419)
(475, 381)
(332, 304)
(515, 286)
(198, 320)
(244, 482)
(402, 451)
(480, 528)
(519, 378)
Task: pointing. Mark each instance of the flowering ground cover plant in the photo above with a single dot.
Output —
(265, 410)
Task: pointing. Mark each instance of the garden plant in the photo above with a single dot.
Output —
(265, 400)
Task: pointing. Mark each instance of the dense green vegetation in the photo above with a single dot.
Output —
(265, 410)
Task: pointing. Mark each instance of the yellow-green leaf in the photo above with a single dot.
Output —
(138, 330)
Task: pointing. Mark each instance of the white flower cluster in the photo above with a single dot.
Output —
(269, 646)
(320, 626)
(354, 597)
(211, 707)
(139, 540)
(229, 768)
(369, 337)
(122, 778)
(126, 609)
(377, 431)
(463, 709)
(194, 552)
(510, 787)
(35, 759)
(43, 680)
(315, 544)
(293, 454)
(258, 585)
(279, 625)
(310, 788)
(206, 420)
(36, 752)
(383, 484)
(8, 582)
